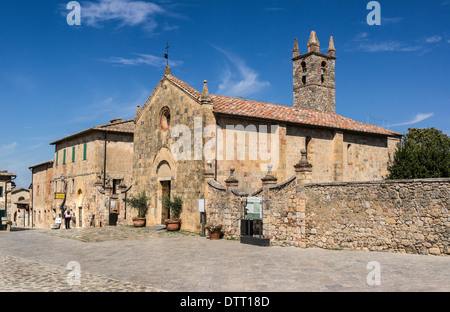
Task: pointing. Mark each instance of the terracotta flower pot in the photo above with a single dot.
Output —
(173, 225)
(139, 222)
(214, 235)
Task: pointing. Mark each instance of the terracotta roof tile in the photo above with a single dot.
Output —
(261, 110)
(126, 126)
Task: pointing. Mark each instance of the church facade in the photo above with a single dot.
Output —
(184, 137)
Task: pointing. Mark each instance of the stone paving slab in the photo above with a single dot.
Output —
(184, 262)
(21, 275)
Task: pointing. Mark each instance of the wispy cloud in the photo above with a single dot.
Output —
(126, 12)
(418, 118)
(391, 20)
(21, 81)
(142, 59)
(387, 46)
(103, 110)
(363, 42)
(8, 149)
(433, 39)
(243, 81)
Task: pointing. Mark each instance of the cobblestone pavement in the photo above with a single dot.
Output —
(127, 259)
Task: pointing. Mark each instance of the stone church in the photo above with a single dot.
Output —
(184, 137)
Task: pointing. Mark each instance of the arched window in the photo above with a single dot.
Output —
(165, 118)
(349, 155)
(304, 70)
(322, 71)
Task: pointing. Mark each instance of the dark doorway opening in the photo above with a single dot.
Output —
(165, 187)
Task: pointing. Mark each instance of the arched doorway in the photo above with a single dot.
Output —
(163, 181)
(164, 173)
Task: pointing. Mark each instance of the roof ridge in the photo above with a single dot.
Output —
(112, 124)
(302, 116)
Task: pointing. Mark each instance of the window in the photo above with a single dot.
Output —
(64, 157)
(1, 191)
(304, 73)
(84, 151)
(349, 154)
(165, 118)
(57, 158)
(73, 154)
(323, 69)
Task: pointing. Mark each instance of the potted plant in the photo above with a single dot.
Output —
(139, 202)
(215, 230)
(176, 207)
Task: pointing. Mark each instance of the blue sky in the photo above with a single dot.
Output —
(58, 79)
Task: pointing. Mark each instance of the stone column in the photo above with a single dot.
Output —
(269, 178)
(338, 156)
(231, 181)
(207, 175)
(303, 172)
(232, 213)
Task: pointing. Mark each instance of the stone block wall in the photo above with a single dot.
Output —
(406, 216)
(403, 216)
(310, 92)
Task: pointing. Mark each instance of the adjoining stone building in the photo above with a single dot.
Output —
(21, 214)
(6, 185)
(90, 174)
(184, 137)
(42, 195)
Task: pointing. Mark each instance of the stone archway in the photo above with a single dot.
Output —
(164, 173)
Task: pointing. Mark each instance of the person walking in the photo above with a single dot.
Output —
(67, 217)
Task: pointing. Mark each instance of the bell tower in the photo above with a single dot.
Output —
(314, 77)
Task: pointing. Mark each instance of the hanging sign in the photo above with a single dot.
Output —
(60, 195)
(201, 205)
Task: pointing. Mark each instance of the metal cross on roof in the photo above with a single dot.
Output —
(167, 54)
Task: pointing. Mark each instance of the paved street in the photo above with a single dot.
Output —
(144, 260)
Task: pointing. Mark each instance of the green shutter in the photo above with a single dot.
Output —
(64, 157)
(1, 191)
(73, 154)
(84, 151)
(57, 158)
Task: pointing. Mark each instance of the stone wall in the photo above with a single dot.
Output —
(310, 91)
(404, 216)
(42, 195)
(80, 159)
(409, 216)
(154, 164)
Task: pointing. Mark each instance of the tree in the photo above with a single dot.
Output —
(139, 202)
(423, 153)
